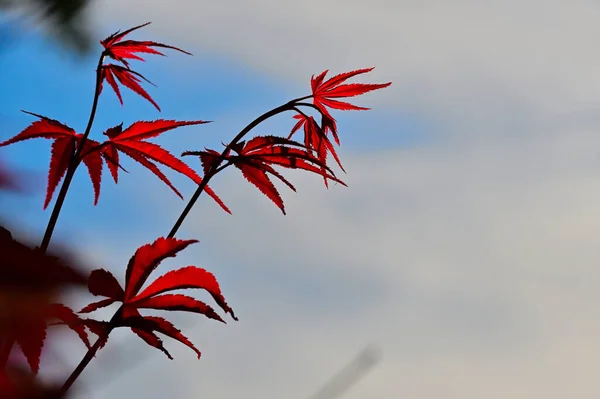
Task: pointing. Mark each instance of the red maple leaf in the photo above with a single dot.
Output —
(121, 50)
(29, 280)
(155, 296)
(17, 383)
(63, 148)
(30, 332)
(127, 78)
(315, 137)
(257, 157)
(131, 142)
(323, 92)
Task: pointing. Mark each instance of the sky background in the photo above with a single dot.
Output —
(464, 248)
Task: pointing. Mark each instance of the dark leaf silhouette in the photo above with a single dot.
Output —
(149, 324)
(65, 316)
(257, 157)
(18, 383)
(145, 260)
(29, 281)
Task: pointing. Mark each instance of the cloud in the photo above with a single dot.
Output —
(469, 260)
(463, 62)
(475, 275)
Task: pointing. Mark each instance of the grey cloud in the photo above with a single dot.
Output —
(475, 274)
(460, 62)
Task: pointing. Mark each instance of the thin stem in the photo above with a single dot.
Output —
(307, 105)
(73, 163)
(91, 352)
(214, 168)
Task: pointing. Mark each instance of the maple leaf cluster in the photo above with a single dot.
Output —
(256, 157)
(120, 50)
(30, 278)
(145, 260)
(70, 147)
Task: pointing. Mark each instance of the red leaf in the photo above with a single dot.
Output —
(30, 336)
(120, 50)
(45, 128)
(260, 180)
(258, 154)
(69, 318)
(333, 88)
(99, 328)
(118, 35)
(25, 268)
(62, 147)
(186, 277)
(151, 339)
(214, 196)
(129, 142)
(111, 155)
(62, 151)
(324, 91)
(29, 281)
(147, 129)
(127, 78)
(156, 153)
(146, 259)
(139, 157)
(97, 305)
(151, 324)
(141, 264)
(273, 172)
(315, 137)
(177, 302)
(208, 158)
(17, 383)
(93, 161)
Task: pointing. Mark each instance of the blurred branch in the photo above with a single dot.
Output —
(66, 20)
(349, 375)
